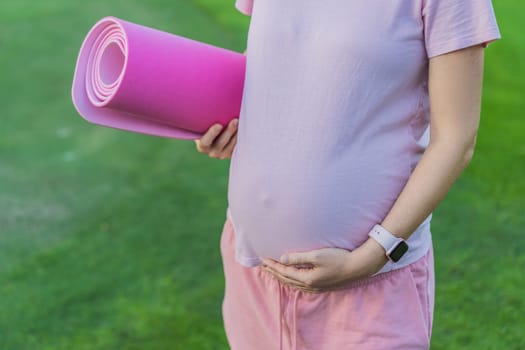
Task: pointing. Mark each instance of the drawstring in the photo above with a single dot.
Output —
(294, 344)
(282, 310)
(280, 318)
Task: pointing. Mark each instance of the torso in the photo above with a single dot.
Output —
(332, 123)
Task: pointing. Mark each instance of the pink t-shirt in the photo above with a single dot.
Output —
(335, 117)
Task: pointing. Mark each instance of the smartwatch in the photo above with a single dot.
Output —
(395, 247)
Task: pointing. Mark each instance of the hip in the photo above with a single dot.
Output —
(392, 310)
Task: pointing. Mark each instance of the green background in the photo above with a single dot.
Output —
(110, 240)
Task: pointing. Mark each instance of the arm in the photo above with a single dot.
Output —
(455, 85)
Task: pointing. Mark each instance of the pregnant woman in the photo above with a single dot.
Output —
(356, 119)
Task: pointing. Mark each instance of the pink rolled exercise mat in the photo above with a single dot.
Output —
(144, 80)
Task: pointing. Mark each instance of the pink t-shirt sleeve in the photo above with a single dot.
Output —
(245, 6)
(451, 25)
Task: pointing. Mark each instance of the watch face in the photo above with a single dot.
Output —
(398, 251)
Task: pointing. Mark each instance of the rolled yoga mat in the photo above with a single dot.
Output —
(144, 80)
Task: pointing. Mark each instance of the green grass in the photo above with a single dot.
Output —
(108, 241)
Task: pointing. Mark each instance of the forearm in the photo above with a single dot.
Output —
(455, 84)
(437, 170)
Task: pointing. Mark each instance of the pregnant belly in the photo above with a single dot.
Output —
(335, 206)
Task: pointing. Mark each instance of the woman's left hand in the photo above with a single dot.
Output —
(327, 268)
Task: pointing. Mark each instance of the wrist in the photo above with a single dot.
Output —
(373, 249)
(393, 246)
(366, 260)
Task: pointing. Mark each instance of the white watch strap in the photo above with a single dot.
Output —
(386, 239)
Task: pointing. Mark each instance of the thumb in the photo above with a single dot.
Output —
(295, 258)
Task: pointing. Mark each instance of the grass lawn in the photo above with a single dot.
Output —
(109, 241)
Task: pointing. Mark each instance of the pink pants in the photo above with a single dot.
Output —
(390, 311)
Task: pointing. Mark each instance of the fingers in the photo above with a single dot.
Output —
(230, 146)
(302, 276)
(219, 142)
(206, 141)
(283, 278)
(305, 280)
(290, 281)
(308, 258)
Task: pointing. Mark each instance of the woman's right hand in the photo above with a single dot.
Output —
(217, 144)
